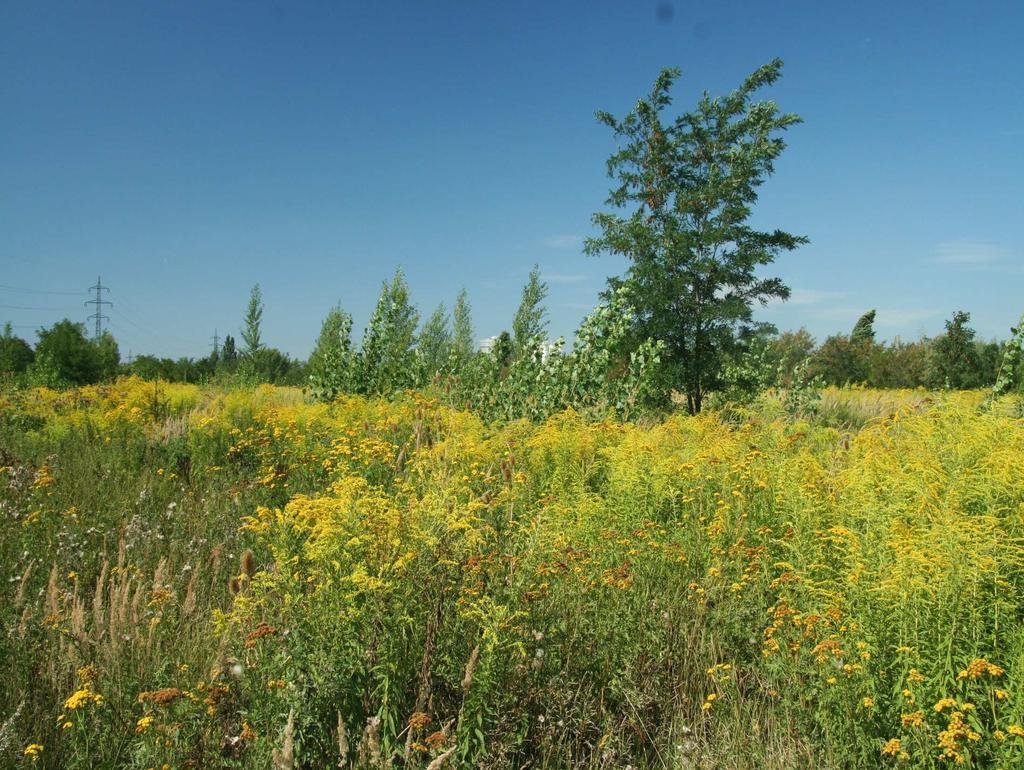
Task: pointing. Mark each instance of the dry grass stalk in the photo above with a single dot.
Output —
(97, 600)
(369, 746)
(441, 759)
(52, 603)
(188, 605)
(160, 576)
(342, 743)
(467, 680)
(19, 595)
(248, 563)
(78, 619)
(285, 758)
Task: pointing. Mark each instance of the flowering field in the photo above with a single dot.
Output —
(199, 578)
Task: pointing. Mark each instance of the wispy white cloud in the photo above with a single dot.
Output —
(812, 296)
(563, 278)
(894, 317)
(563, 241)
(971, 253)
(884, 317)
(806, 297)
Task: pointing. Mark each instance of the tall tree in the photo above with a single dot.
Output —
(228, 353)
(434, 346)
(864, 330)
(790, 350)
(529, 326)
(689, 185)
(839, 362)
(253, 318)
(15, 353)
(463, 344)
(331, 367)
(108, 355)
(955, 362)
(67, 354)
(388, 356)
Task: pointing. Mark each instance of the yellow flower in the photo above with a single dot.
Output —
(868, 703)
(1002, 695)
(914, 719)
(33, 750)
(891, 747)
(1016, 730)
(143, 724)
(78, 699)
(978, 667)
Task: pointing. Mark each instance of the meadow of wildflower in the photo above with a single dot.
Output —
(198, 577)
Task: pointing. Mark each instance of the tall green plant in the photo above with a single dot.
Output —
(689, 185)
(332, 365)
(1010, 370)
(388, 356)
(463, 343)
(955, 361)
(434, 346)
(530, 325)
(251, 325)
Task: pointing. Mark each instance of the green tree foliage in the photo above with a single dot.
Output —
(273, 366)
(751, 370)
(990, 356)
(15, 354)
(503, 349)
(955, 361)
(463, 343)
(864, 330)
(434, 346)
(840, 362)
(593, 377)
(108, 355)
(228, 353)
(791, 350)
(332, 366)
(64, 356)
(529, 326)
(899, 364)
(1011, 369)
(388, 355)
(690, 184)
(253, 318)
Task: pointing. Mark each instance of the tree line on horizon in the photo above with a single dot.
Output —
(398, 352)
(676, 327)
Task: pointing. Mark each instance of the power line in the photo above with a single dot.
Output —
(99, 288)
(31, 307)
(5, 287)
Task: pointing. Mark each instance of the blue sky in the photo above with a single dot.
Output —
(186, 150)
